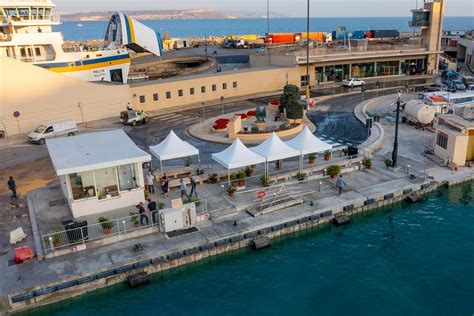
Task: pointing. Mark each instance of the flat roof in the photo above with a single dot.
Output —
(92, 151)
(457, 120)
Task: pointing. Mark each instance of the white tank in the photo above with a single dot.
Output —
(417, 111)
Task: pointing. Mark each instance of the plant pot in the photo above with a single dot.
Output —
(231, 193)
(241, 183)
(57, 243)
(326, 157)
(107, 230)
(311, 161)
(234, 184)
(333, 177)
(136, 225)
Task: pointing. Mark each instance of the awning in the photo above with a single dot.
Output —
(93, 151)
(126, 31)
(306, 143)
(173, 147)
(273, 148)
(237, 156)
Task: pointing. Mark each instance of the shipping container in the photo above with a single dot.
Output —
(339, 36)
(358, 35)
(385, 33)
(315, 36)
(279, 38)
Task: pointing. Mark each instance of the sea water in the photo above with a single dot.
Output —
(402, 260)
(222, 27)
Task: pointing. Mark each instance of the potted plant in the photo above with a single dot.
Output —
(248, 171)
(188, 162)
(134, 219)
(301, 176)
(367, 162)
(231, 191)
(264, 180)
(278, 164)
(312, 158)
(160, 205)
(106, 224)
(233, 180)
(334, 170)
(241, 178)
(388, 163)
(57, 237)
(327, 155)
(212, 177)
(199, 172)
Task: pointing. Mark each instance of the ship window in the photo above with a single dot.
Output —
(23, 52)
(40, 13)
(34, 13)
(47, 14)
(24, 13)
(30, 52)
(10, 11)
(37, 51)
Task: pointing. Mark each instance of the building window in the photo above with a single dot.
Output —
(142, 99)
(304, 81)
(224, 86)
(203, 89)
(168, 94)
(127, 177)
(442, 140)
(37, 51)
(214, 87)
(387, 68)
(106, 182)
(23, 52)
(234, 84)
(82, 185)
(155, 96)
(363, 70)
(191, 91)
(180, 93)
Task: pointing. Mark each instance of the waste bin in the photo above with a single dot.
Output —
(73, 231)
(352, 150)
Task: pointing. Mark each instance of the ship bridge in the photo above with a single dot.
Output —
(123, 30)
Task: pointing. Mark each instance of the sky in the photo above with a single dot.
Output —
(291, 8)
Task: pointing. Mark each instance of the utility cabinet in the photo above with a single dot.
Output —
(172, 219)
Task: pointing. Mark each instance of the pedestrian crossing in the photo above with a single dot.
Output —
(335, 143)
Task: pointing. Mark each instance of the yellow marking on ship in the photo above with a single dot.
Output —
(132, 30)
(92, 66)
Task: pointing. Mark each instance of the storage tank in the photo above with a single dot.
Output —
(419, 112)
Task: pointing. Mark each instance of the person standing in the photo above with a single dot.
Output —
(184, 188)
(12, 187)
(152, 209)
(150, 182)
(340, 183)
(165, 185)
(193, 187)
(142, 212)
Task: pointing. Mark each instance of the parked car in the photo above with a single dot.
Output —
(455, 85)
(449, 74)
(436, 87)
(133, 117)
(261, 50)
(53, 129)
(468, 80)
(470, 87)
(353, 82)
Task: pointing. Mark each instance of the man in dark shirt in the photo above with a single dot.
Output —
(12, 186)
(152, 209)
(142, 212)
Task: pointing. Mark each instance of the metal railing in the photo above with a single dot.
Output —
(63, 239)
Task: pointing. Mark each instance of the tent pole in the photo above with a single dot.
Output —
(228, 176)
(199, 159)
(161, 167)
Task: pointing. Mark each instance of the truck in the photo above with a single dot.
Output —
(51, 130)
(283, 38)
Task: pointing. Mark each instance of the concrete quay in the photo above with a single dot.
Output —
(36, 283)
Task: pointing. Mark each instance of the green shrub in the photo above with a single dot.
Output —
(388, 163)
(367, 162)
(264, 180)
(105, 222)
(301, 176)
(334, 170)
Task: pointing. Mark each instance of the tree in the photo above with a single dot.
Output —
(294, 110)
(290, 93)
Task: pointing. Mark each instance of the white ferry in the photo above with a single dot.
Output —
(26, 34)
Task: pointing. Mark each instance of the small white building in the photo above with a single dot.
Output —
(99, 172)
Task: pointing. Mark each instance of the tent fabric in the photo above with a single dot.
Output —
(273, 148)
(173, 147)
(237, 155)
(306, 143)
(93, 151)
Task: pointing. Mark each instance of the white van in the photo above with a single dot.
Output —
(53, 129)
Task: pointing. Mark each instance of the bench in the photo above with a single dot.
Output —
(176, 182)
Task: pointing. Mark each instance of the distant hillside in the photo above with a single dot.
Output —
(153, 15)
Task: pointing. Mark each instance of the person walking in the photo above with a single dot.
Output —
(340, 183)
(142, 212)
(184, 188)
(193, 187)
(12, 187)
(152, 209)
(165, 185)
(150, 182)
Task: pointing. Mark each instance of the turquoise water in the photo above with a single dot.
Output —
(222, 27)
(405, 260)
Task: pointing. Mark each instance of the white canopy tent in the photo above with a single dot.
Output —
(173, 147)
(237, 155)
(273, 148)
(306, 143)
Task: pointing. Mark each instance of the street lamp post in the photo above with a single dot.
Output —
(222, 104)
(395, 143)
(307, 52)
(203, 112)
